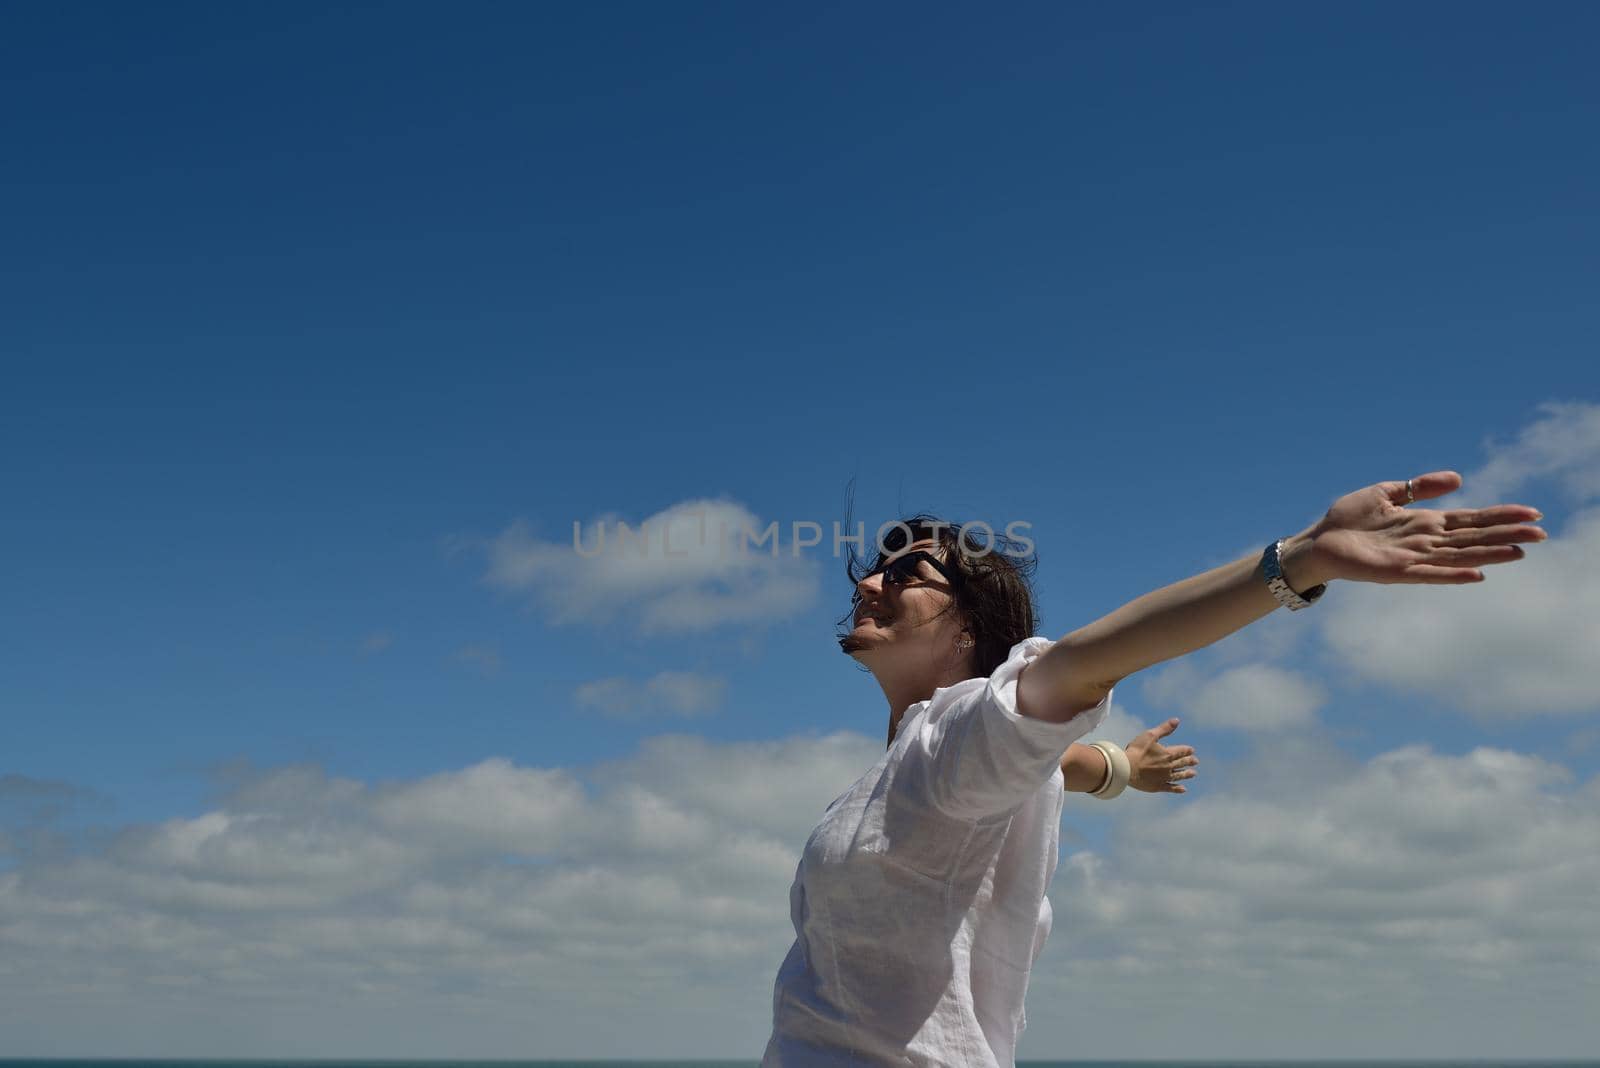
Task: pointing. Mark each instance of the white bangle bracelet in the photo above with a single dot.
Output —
(1118, 770)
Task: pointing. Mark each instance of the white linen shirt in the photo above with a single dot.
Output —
(919, 902)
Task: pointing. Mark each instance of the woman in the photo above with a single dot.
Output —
(919, 902)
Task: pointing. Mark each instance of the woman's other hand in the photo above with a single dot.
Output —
(1160, 769)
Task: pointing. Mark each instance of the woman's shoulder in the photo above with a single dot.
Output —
(945, 696)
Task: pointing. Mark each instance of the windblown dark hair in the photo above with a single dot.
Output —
(994, 596)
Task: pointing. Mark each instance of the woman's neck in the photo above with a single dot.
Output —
(902, 694)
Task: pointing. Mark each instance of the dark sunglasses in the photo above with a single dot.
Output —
(902, 569)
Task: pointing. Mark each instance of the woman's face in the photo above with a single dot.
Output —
(909, 626)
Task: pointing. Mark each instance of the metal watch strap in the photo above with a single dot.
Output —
(1272, 568)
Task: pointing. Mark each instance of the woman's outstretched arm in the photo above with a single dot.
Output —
(1162, 625)
(1366, 536)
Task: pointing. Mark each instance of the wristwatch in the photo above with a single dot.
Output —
(1272, 568)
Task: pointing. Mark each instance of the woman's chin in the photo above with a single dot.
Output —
(859, 640)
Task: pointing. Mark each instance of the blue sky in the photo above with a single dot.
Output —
(323, 325)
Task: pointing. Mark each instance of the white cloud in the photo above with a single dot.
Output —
(493, 805)
(691, 569)
(683, 694)
(1562, 447)
(498, 909)
(1423, 904)
(1247, 696)
(1521, 643)
(687, 568)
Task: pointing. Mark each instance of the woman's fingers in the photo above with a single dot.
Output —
(1441, 576)
(1500, 534)
(1484, 517)
(1423, 487)
(1474, 556)
(1180, 769)
(1457, 556)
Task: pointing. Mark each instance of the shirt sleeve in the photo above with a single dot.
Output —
(975, 755)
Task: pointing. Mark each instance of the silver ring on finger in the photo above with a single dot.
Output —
(1409, 497)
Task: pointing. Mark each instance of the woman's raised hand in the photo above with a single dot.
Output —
(1372, 536)
(1156, 768)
